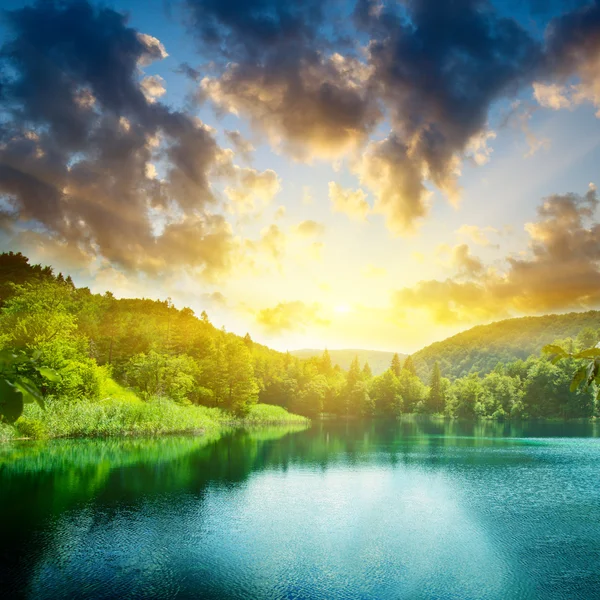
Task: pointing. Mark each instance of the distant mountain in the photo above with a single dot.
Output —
(378, 360)
(482, 348)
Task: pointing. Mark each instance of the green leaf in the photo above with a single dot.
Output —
(590, 353)
(50, 374)
(30, 391)
(579, 376)
(591, 371)
(553, 349)
(11, 402)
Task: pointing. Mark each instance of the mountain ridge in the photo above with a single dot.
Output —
(379, 360)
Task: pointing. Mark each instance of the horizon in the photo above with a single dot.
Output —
(332, 348)
(295, 171)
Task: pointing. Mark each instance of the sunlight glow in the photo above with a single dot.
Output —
(342, 309)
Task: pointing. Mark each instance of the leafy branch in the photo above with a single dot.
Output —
(588, 373)
(16, 384)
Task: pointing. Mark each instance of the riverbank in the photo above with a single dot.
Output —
(122, 414)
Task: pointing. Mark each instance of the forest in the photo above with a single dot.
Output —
(104, 365)
(481, 348)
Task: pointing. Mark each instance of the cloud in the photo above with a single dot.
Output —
(270, 245)
(153, 87)
(572, 48)
(552, 95)
(437, 67)
(309, 228)
(290, 316)
(241, 145)
(464, 262)
(519, 117)
(252, 187)
(478, 148)
(560, 271)
(387, 168)
(431, 70)
(81, 136)
(478, 235)
(311, 105)
(350, 202)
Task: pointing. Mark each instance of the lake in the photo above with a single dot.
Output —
(417, 509)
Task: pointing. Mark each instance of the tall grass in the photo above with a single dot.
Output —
(269, 414)
(121, 413)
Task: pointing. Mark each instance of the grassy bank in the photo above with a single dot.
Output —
(122, 413)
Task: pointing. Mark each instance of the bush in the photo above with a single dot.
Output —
(31, 428)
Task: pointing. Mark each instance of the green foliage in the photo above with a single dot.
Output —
(77, 350)
(155, 374)
(395, 365)
(409, 365)
(19, 377)
(436, 399)
(481, 348)
(385, 390)
(379, 360)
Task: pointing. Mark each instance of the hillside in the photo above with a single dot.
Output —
(483, 347)
(378, 360)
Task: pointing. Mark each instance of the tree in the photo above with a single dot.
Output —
(359, 400)
(241, 390)
(409, 365)
(412, 390)
(367, 373)
(38, 314)
(395, 366)
(502, 393)
(466, 395)
(588, 371)
(385, 391)
(436, 398)
(310, 400)
(354, 374)
(325, 365)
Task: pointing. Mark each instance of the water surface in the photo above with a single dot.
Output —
(416, 510)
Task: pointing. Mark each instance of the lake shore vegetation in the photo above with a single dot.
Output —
(78, 364)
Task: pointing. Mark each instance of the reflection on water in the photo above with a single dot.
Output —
(417, 509)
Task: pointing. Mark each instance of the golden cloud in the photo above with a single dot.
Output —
(350, 202)
(561, 271)
(290, 316)
(252, 188)
(309, 228)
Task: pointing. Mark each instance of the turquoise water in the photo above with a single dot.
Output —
(414, 510)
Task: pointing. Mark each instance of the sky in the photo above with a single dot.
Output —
(325, 173)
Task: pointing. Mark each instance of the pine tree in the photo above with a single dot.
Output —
(325, 367)
(354, 374)
(367, 373)
(436, 400)
(395, 367)
(409, 366)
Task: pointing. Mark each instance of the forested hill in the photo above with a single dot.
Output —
(378, 360)
(481, 348)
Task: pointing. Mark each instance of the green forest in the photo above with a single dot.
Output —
(103, 366)
(481, 348)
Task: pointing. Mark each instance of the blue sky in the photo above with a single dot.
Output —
(468, 128)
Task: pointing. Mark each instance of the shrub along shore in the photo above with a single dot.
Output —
(106, 366)
(121, 413)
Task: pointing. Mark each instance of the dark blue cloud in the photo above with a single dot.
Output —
(79, 136)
